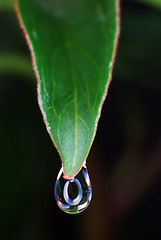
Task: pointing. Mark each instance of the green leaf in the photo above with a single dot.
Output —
(15, 63)
(72, 45)
(156, 3)
(6, 4)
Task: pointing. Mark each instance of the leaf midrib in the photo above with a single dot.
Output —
(65, 43)
(65, 40)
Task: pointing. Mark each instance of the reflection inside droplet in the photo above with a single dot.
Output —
(73, 195)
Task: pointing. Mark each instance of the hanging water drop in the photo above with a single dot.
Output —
(73, 195)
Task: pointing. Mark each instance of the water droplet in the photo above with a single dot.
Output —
(73, 195)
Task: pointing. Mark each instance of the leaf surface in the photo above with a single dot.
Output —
(73, 45)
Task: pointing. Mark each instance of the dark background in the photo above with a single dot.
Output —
(125, 160)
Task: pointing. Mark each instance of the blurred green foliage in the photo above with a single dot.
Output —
(125, 161)
(156, 3)
(6, 4)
